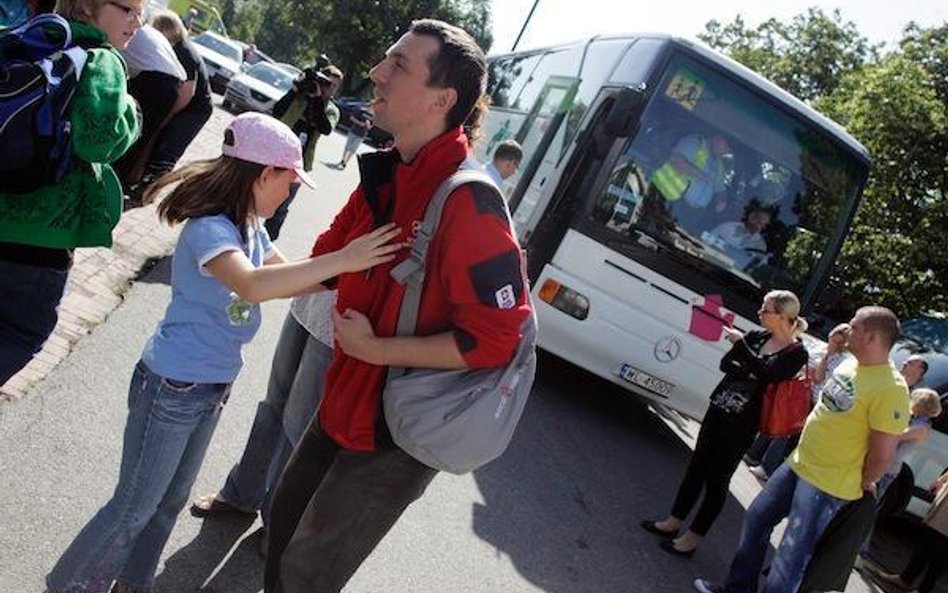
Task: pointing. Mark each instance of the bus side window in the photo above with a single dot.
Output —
(508, 76)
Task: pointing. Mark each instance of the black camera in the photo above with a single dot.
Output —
(312, 80)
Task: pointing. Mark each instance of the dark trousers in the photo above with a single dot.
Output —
(331, 507)
(174, 138)
(27, 312)
(929, 557)
(156, 93)
(275, 222)
(717, 454)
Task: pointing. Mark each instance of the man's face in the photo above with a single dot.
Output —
(913, 370)
(402, 98)
(334, 86)
(757, 221)
(719, 146)
(507, 167)
(859, 337)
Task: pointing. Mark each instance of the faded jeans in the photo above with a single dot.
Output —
(293, 393)
(169, 427)
(809, 510)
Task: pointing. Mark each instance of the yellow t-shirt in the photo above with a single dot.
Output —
(835, 439)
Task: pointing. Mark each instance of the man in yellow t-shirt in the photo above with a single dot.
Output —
(847, 443)
(857, 400)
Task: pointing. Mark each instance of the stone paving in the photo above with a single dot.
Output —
(100, 276)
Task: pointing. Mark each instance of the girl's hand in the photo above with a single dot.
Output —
(732, 335)
(372, 249)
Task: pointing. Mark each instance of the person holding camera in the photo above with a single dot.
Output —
(308, 110)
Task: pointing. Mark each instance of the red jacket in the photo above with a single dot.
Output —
(473, 287)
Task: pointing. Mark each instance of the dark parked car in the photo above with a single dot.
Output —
(349, 106)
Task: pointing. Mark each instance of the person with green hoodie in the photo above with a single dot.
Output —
(40, 230)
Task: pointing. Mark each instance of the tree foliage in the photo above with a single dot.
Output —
(354, 33)
(807, 56)
(895, 103)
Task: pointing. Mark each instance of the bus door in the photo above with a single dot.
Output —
(536, 135)
(600, 142)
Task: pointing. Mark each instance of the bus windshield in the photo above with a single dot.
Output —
(720, 178)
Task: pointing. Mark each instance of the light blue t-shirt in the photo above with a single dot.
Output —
(205, 325)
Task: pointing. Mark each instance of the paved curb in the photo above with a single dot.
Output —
(100, 276)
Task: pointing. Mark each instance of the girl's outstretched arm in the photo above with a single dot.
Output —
(256, 285)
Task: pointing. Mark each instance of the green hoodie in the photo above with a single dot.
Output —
(82, 209)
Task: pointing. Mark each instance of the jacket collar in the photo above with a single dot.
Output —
(86, 35)
(378, 169)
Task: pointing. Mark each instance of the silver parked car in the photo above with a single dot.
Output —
(258, 89)
(221, 55)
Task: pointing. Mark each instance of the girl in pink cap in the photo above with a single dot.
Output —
(224, 265)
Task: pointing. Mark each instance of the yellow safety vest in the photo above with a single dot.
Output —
(672, 183)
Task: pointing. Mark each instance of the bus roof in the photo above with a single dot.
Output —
(758, 82)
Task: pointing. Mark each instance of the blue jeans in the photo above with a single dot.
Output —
(169, 427)
(27, 312)
(769, 452)
(293, 394)
(810, 511)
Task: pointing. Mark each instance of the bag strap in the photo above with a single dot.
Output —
(39, 36)
(411, 271)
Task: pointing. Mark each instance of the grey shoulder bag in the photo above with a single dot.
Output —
(454, 420)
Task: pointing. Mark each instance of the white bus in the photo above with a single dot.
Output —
(630, 284)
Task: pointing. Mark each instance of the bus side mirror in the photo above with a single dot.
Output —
(623, 117)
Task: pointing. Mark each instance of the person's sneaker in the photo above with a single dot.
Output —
(703, 586)
(759, 472)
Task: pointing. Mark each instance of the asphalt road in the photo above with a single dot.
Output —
(558, 513)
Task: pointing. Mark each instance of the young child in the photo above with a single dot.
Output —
(925, 407)
(223, 265)
(40, 230)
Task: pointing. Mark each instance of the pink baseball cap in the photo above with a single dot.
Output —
(261, 139)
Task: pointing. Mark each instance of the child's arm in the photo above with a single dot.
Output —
(256, 285)
(915, 434)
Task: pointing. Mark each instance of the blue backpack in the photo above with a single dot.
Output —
(39, 70)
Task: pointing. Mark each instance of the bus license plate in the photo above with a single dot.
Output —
(642, 379)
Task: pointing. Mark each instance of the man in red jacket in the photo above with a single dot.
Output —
(347, 482)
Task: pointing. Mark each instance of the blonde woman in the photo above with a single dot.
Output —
(755, 360)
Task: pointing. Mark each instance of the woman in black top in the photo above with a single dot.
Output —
(754, 361)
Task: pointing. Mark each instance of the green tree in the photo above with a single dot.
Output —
(896, 246)
(355, 33)
(807, 56)
(242, 18)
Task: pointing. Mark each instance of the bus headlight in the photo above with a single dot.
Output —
(565, 299)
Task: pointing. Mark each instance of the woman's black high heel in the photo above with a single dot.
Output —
(649, 526)
(669, 546)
